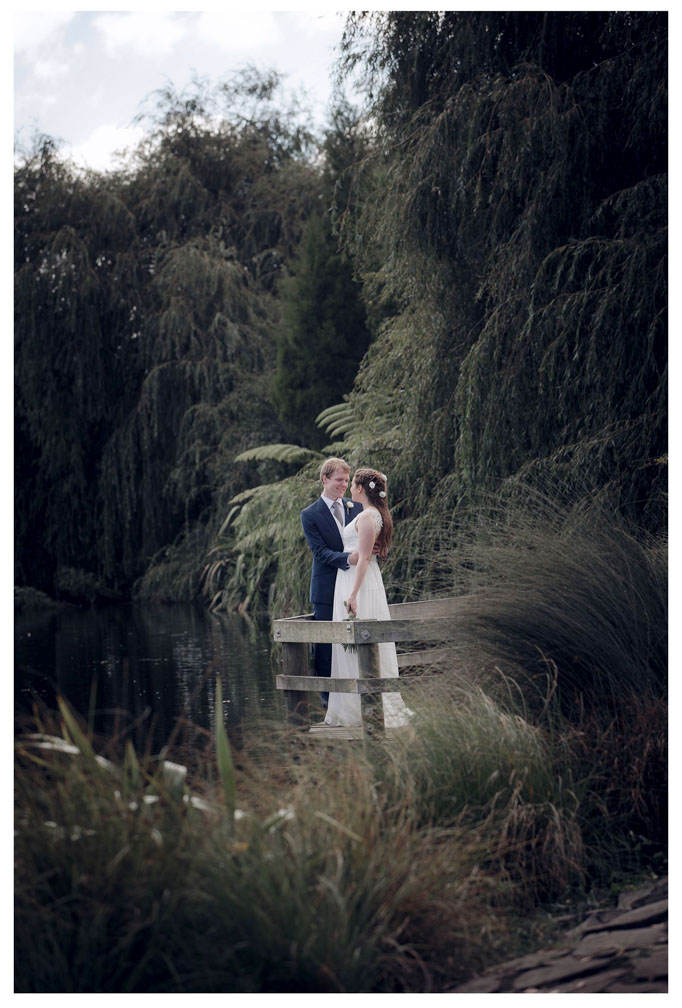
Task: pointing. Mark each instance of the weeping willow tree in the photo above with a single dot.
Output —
(518, 193)
(509, 226)
(78, 283)
(146, 301)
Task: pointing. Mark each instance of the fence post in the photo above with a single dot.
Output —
(371, 704)
(295, 662)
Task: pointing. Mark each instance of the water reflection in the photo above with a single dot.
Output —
(145, 667)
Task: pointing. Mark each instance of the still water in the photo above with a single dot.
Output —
(147, 670)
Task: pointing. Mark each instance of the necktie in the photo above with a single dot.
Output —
(338, 513)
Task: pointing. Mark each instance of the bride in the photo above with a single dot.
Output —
(359, 592)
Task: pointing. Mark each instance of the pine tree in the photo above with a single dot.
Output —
(324, 332)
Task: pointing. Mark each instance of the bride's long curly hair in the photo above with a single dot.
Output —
(364, 477)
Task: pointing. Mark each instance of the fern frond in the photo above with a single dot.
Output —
(232, 512)
(245, 495)
(336, 419)
(331, 412)
(264, 534)
(278, 453)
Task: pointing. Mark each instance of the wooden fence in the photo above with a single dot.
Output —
(429, 622)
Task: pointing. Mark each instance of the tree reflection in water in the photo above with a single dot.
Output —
(147, 670)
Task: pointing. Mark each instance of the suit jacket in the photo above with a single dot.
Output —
(324, 538)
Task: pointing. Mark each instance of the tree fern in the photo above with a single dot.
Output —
(277, 453)
(337, 419)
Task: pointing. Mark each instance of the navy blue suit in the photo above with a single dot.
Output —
(324, 538)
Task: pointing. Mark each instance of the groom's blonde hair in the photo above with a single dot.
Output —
(328, 467)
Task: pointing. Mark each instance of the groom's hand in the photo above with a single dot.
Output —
(353, 557)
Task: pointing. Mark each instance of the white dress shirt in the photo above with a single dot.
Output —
(330, 504)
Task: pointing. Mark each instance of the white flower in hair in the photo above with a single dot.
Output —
(372, 485)
(382, 493)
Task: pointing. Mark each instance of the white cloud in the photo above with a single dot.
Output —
(32, 29)
(326, 23)
(238, 31)
(40, 98)
(47, 69)
(149, 33)
(96, 95)
(98, 150)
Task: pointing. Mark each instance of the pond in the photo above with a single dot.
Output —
(147, 670)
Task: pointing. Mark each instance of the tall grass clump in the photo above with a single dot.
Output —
(402, 866)
(319, 880)
(493, 770)
(554, 586)
(563, 615)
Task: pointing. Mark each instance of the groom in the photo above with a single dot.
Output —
(323, 523)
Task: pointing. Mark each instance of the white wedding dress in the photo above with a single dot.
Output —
(344, 708)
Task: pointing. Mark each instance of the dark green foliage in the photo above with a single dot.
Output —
(518, 188)
(145, 304)
(509, 222)
(77, 293)
(323, 334)
(504, 208)
(203, 395)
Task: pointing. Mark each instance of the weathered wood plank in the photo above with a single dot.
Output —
(336, 733)
(366, 631)
(429, 621)
(371, 704)
(312, 631)
(368, 661)
(427, 609)
(296, 699)
(379, 631)
(413, 659)
(314, 684)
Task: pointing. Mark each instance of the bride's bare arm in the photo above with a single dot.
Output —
(366, 536)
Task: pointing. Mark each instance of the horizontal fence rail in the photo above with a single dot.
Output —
(319, 684)
(365, 631)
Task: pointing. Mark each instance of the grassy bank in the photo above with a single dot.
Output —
(404, 867)
(535, 775)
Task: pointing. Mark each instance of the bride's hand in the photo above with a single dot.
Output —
(352, 605)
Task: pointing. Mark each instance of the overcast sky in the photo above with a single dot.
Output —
(81, 76)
